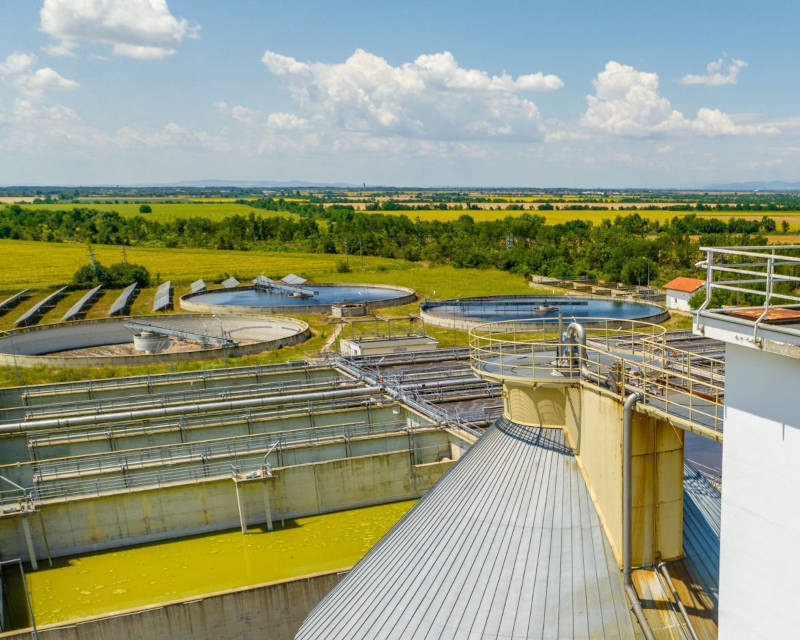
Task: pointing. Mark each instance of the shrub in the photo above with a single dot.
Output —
(116, 276)
(342, 266)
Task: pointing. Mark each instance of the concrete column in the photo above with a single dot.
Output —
(26, 530)
(267, 506)
(240, 505)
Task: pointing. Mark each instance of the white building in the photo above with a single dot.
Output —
(380, 346)
(759, 565)
(680, 290)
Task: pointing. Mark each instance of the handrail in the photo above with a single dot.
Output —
(731, 268)
(685, 386)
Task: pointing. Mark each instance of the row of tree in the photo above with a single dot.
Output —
(629, 248)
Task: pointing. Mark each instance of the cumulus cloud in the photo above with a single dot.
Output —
(29, 124)
(627, 102)
(432, 97)
(144, 29)
(723, 70)
(16, 62)
(17, 70)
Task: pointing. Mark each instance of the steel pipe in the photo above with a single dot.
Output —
(627, 483)
(675, 596)
(34, 425)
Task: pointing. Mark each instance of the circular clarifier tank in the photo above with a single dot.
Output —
(466, 312)
(148, 339)
(316, 298)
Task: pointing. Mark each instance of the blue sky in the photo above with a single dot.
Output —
(415, 93)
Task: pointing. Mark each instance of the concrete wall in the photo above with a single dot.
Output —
(759, 565)
(404, 296)
(448, 322)
(272, 610)
(678, 299)
(594, 428)
(123, 518)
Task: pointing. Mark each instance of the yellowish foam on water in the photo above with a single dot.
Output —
(137, 576)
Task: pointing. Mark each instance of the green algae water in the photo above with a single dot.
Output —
(132, 577)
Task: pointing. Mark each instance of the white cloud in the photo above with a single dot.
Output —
(286, 121)
(16, 62)
(723, 70)
(430, 98)
(627, 102)
(17, 71)
(143, 29)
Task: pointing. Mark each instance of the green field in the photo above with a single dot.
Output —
(39, 264)
(166, 211)
(215, 210)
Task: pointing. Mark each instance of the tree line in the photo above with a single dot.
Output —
(628, 248)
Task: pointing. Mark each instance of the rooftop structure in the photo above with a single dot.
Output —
(752, 306)
(508, 545)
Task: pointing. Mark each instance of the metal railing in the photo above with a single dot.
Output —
(165, 399)
(149, 381)
(175, 454)
(214, 470)
(13, 494)
(187, 423)
(762, 272)
(686, 387)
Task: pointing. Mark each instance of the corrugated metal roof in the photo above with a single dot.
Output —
(506, 545)
(702, 506)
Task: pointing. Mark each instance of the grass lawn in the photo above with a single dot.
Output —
(39, 265)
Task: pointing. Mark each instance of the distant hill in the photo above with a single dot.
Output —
(770, 185)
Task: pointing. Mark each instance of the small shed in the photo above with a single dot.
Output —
(679, 290)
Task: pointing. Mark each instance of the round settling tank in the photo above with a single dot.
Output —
(258, 301)
(464, 313)
(155, 339)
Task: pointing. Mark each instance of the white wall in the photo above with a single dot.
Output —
(678, 300)
(759, 561)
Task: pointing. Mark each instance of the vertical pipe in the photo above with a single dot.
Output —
(627, 484)
(627, 553)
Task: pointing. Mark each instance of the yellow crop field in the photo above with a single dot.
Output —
(166, 211)
(552, 217)
(40, 264)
